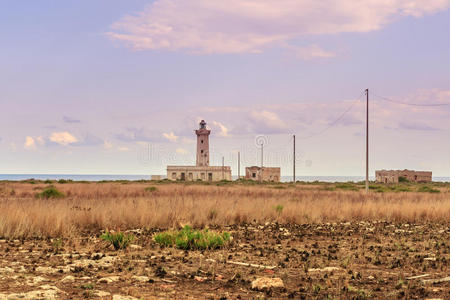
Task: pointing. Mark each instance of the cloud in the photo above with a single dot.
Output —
(170, 136)
(89, 140)
(265, 121)
(70, 120)
(311, 52)
(250, 26)
(223, 130)
(416, 126)
(40, 140)
(30, 144)
(63, 138)
(107, 144)
(182, 151)
(142, 134)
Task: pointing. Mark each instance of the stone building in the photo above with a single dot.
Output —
(202, 171)
(392, 176)
(263, 174)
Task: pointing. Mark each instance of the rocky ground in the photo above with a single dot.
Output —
(347, 260)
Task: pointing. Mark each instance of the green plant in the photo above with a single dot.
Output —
(279, 208)
(62, 181)
(348, 186)
(48, 181)
(119, 240)
(403, 179)
(50, 192)
(427, 189)
(57, 245)
(87, 286)
(188, 239)
(151, 189)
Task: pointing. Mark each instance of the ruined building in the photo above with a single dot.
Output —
(202, 171)
(392, 176)
(263, 174)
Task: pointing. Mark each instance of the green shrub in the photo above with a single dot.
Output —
(48, 181)
(347, 186)
(119, 240)
(188, 239)
(279, 208)
(402, 179)
(151, 189)
(427, 189)
(63, 181)
(50, 192)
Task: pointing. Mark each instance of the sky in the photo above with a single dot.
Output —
(118, 87)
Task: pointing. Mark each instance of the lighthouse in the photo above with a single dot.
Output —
(202, 145)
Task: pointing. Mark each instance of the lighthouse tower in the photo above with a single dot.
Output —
(202, 145)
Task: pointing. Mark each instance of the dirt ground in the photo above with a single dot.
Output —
(360, 260)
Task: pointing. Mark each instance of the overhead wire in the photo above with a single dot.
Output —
(332, 124)
(408, 103)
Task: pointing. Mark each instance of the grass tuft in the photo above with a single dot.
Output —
(119, 240)
(50, 192)
(189, 239)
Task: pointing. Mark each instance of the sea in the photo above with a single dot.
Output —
(91, 177)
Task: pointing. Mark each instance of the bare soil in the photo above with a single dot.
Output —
(358, 260)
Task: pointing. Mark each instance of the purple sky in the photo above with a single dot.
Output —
(117, 87)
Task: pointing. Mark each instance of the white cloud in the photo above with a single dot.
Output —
(107, 144)
(250, 26)
(267, 121)
(182, 151)
(30, 144)
(63, 138)
(40, 140)
(223, 128)
(311, 52)
(170, 136)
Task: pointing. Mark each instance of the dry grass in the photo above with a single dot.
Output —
(96, 206)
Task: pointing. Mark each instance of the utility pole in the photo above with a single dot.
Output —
(223, 164)
(239, 165)
(293, 160)
(367, 141)
(262, 160)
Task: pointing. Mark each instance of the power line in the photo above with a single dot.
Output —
(335, 121)
(409, 104)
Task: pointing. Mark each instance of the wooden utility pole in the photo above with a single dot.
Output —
(223, 164)
(239, 165)
(262, 160)
(367, 141)
(293, 160)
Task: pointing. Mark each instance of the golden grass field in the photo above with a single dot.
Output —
(91, 207)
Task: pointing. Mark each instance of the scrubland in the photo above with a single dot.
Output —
(303, 240)
(90, 207)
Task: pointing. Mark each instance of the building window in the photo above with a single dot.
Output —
(201, 151)
(201, 141)
(174, 175)
(254, 175)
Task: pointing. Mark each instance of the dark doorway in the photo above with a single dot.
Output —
(210, 176)
(183, 176)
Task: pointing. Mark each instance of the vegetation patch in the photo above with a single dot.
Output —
(189, 239)
(151, 189)
(347, 186)
(427, 189)
(50, 192)
(119, 240)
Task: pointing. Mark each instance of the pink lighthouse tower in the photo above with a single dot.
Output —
(202, 145)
